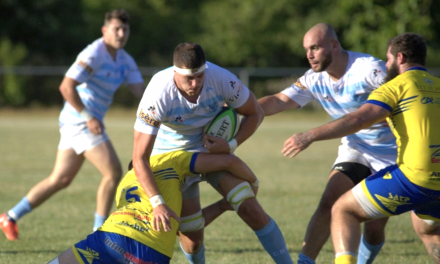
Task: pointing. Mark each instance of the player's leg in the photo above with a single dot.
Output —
(241, 197)
(67, 257)
(372, 240)
(429, 233)
(191, 228)
(104, 158)
(318, 230)
(67, 164)
(347, 215)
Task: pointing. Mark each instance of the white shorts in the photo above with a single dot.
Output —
(79, 138)
(349, 152)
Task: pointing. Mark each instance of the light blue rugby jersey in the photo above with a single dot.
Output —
(182, 122)
(100, 76)
(364, 74)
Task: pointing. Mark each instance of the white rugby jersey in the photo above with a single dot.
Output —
(364, 74)
(100, 76)
(182, 122)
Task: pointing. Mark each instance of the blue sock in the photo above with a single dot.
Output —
(303, 259)
(99, 220)
(19, 210)
(198, 258)
(273, 242)
(367, 252)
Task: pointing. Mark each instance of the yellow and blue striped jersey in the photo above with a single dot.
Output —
(413, 98)
(134, 213)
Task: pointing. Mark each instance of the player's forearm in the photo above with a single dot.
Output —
(248, 126)
(69, 93)
(341, 127)
(145, 177)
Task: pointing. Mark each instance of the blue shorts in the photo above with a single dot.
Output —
(108, 248)
(393, 194)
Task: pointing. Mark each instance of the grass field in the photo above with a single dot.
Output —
(289, 191)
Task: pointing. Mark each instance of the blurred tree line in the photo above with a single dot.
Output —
(234, 33)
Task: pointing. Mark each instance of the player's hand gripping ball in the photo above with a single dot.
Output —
(224, 125)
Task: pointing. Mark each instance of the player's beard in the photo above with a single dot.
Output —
(324, 63)
(392, 72)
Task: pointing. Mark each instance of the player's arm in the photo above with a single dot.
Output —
(143, 146)
(70, 94)
(367, 115)
(252, 117)
(273, 104)
(137, 89)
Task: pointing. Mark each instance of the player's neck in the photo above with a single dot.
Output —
(112, 51)
(338, 66)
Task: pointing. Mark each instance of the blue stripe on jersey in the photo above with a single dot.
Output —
(379, 103)
(192, 164)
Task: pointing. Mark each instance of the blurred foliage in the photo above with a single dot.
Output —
(247, 33)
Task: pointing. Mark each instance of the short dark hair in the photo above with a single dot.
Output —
(120, 14)
(411, 45)
(189, 55)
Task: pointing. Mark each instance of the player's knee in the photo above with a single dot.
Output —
(239, 194)
(61, 182)
(192, 223)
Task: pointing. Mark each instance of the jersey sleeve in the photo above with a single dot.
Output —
(235, 92)
(299, 92)
(134, 75)
(376, 74)
(150, 111)
(85, 65)
(384, 96)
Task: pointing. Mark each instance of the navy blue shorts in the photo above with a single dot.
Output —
(108, 248)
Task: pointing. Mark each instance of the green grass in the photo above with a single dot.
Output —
(289, 191)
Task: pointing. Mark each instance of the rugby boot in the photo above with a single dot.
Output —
(9, 227)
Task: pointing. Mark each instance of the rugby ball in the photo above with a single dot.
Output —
(224, 125)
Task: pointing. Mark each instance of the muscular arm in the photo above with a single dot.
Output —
(143, 146)
(253, 116)
(273, 104)
(137, 89)
(70, 94)
(365, 116)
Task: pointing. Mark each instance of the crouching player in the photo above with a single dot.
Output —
(130, 234)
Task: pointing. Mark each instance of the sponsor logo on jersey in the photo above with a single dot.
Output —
(152, 109)
(299, 85)
(127, 255)
(428, 81)
(430, 100)
(376, 71)
(435, 174)
(435, 157)
(392, 201)
(178, 119)
(147, 119)
(232, 83)
(236, 95)
(327, 98)
(85, 66)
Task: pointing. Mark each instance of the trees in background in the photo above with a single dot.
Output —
(247, 33)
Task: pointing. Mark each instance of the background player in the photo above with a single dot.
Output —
(410, 102)
(130, 233)
(341, 81)
(178, 103)
(88, 89)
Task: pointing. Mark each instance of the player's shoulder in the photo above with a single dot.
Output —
(214, 71)
(96, 48)
(365, 60)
